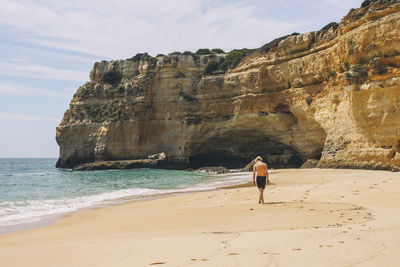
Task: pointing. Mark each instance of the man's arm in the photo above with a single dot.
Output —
(266, 173)
(254, 174)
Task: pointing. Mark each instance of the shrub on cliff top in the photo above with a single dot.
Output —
(235, 56)
(176, 53)
(328, 26)
(139, 56)
(203, 51)
(275, 42)
(231, 61)
(367, 3)
(217, 51)
(188, 53)
(206, 51)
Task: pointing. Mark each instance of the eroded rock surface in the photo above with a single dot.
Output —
(331, 95)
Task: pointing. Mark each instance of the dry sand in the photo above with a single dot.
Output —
(312, 218)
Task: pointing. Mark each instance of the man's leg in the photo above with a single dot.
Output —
(261, 195)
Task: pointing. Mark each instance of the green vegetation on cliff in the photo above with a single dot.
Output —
(274, 43)
(232, 59)
(206, 51)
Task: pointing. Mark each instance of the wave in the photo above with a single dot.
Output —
(20, 212)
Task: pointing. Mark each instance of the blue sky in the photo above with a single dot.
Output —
(47, 47)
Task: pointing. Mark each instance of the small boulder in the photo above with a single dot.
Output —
(395, 169)
(309, 164)
(158, 156)
(217, 170)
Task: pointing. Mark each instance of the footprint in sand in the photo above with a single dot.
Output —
(327, 246)
(199, 259)
(296, 249)
(233, 253)
(272, 253)
(157, 263)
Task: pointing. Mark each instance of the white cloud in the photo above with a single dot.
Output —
(15, 60)
(41, 72)
(26, 54)
(25, 117)
(119, 29)
(344, 4)
(9, 88)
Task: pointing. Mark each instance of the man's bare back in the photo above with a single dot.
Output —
(261, 168)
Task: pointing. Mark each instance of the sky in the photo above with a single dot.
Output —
(48, 47)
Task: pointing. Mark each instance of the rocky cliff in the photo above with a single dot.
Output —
(331, 95)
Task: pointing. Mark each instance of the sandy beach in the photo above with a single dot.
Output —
(312, 217)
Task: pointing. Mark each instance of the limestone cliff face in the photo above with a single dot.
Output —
(331, 95)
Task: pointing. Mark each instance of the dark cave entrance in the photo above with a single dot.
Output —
(217, 158)
(236, 149)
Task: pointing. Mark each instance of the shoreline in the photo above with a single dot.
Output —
(310, 215)
(51, 219)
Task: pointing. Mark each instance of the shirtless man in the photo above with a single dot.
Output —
(262, 177)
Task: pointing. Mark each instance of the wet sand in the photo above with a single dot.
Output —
(312, 217)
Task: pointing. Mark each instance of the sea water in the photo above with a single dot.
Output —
(33, 189)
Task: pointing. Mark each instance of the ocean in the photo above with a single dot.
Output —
(32, 190)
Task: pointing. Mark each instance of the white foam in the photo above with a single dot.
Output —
(19, 212)
(28, 211)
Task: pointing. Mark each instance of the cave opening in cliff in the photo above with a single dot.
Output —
(237, 148)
